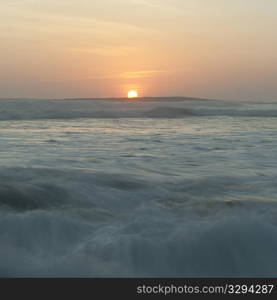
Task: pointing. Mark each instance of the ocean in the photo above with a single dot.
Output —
(138, 188)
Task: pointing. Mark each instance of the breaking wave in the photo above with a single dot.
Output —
(59, 224)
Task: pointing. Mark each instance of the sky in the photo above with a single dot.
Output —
(224, 49)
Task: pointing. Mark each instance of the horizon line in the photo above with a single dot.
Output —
(107, 98)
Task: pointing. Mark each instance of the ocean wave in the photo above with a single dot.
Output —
(50, 244)
(169, 112)
(94, 224)
(69, 109)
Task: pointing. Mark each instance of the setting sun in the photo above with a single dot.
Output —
(132, 94)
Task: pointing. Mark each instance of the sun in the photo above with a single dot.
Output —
(132, 94)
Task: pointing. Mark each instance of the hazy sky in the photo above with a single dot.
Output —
(86, 48)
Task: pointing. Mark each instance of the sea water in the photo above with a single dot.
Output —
(138, 188)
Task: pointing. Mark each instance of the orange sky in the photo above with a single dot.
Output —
(204, 48)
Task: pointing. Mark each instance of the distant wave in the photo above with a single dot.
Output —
(72, 109)
(236, 112)
(168, 112)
